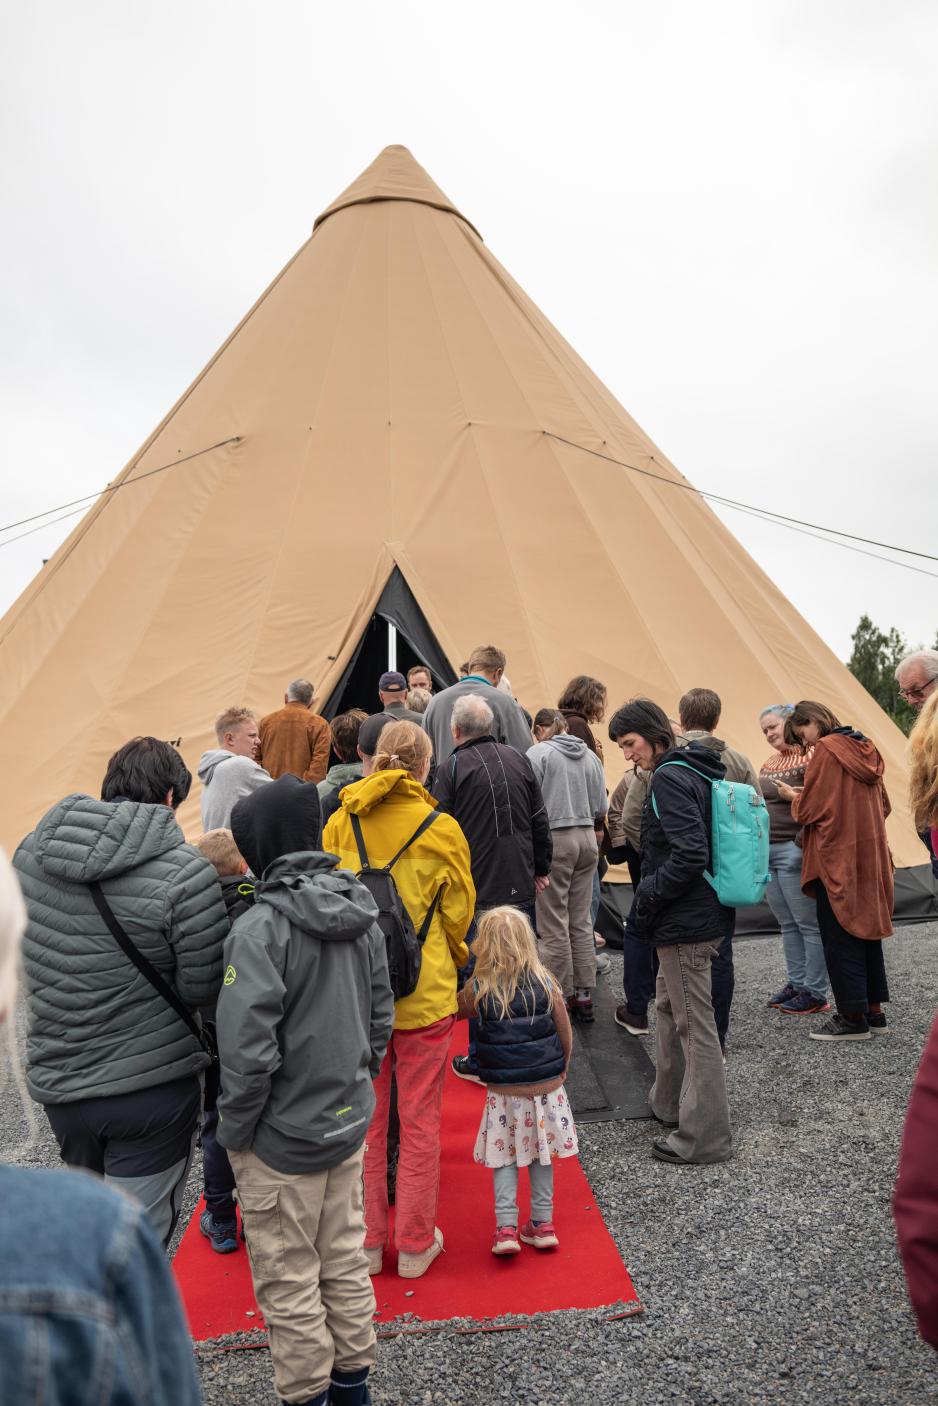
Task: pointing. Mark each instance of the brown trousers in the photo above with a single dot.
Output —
(305, 1236)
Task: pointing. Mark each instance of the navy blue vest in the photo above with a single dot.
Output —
(522, 1047)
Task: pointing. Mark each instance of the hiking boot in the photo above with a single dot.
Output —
(805, 1004)
(634, 1024)
(603, 963)
(411, 1266)
(839, 1028)
(581, 1008)
(876, 1020)
(540, 1233)
(786, 994)
(506, 1241)
(463, 1068)
(222, 1235)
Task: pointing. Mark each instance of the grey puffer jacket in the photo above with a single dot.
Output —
(96, 1025)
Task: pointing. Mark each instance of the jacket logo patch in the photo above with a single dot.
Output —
(230, 975)
(341, 1112)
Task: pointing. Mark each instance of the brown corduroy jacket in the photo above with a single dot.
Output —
(843, 809)
(295, 740)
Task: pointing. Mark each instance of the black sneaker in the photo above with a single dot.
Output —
(463, 1069)
(876, 1020)
(838, 1028)
(221, 1235)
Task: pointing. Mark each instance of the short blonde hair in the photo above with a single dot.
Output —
(230, 719)
(418, 700)
(402, 747)
(220, 849)
(923, 766)
(487, 657)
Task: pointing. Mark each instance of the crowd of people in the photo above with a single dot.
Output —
(288, 984)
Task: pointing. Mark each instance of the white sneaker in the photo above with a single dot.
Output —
(413, 1266)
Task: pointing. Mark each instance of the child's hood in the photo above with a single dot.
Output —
(315, 896)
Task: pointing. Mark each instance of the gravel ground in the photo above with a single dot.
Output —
(771, 1278)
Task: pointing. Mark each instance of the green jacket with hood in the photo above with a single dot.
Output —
(304, 1017)
(96, 1025)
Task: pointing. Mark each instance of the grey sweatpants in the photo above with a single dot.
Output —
(564, 922)
(506, 1193)
(690, 1081)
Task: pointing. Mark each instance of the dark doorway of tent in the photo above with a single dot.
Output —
(397, 637)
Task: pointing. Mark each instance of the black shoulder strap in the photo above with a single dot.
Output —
(143, 966)
(359, 840)
(425, 925)
(424, 825)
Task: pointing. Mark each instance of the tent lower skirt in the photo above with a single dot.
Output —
(916, 901)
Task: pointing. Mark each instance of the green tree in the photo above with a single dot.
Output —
(873, 662)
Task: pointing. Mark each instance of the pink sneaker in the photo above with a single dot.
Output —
(541, 1234)
(506, 1241)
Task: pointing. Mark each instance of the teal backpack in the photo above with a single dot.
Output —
(739, 845)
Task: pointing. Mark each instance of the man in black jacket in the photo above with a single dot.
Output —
(677, 911)
(491, 790)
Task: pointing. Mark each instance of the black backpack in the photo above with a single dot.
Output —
(403, 943)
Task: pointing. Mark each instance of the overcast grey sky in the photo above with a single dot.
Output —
(730, 210)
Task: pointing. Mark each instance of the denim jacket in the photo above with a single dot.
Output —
(89, 1314)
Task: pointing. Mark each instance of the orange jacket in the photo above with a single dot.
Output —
(295, 740)
(843, 809)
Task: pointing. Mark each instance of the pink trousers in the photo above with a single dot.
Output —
(419, 1059)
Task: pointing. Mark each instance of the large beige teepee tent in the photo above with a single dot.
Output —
(394, 400)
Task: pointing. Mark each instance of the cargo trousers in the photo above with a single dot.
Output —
(689, 1091)
(305, 1236)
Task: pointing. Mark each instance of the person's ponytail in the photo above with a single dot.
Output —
(402, 746)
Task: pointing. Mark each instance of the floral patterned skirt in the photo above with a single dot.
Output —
(516, 1131)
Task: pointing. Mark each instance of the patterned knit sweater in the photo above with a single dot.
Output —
(790, 768)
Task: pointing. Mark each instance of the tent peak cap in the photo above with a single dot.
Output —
(394, 175)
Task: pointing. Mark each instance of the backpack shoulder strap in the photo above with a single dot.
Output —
(143, 966)
(424, 825)
(687, 766)
(425, 925)
(359, 840)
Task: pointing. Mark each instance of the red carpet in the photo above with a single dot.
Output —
(468, 1281)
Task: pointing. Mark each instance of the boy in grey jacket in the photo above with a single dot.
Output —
(304, 1017)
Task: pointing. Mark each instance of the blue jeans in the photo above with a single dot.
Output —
(722, 986)
(638, 974)
(796, 915)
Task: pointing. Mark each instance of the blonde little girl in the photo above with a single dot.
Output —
(522, 1052)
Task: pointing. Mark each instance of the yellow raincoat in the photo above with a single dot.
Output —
(390, 806)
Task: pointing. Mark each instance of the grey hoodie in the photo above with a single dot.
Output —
(96, 1026)
(304, 1017)
(225, 778)
(572, 781)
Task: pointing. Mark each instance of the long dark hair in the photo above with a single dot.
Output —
(643, 716)
(808, 712)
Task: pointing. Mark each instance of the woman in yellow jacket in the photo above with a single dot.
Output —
(390, 803)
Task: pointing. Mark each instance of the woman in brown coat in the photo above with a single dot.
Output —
(847, 866)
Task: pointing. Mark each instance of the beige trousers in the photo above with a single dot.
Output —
(564, 930)
(305, 1236)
